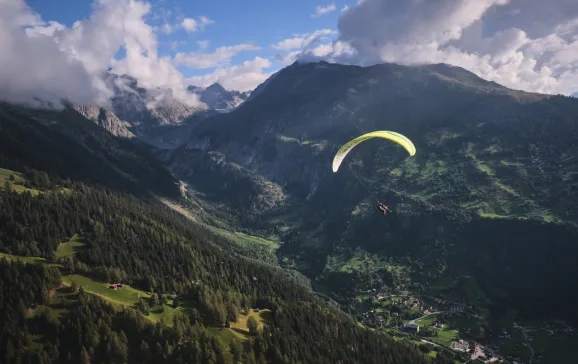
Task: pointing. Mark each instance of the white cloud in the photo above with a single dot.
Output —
(33, 65)
(176, 43)
(50, 61)
(523, 44)
(192, 25)
(203, 44)
(220, 57)
(167, 28)
(310, 46)
(162, 14)
(320, 10)
(43, 29)
(344, 8)
(301, 41)
(243, 77)
(337, 52)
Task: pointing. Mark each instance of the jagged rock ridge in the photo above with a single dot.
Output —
(217, 97)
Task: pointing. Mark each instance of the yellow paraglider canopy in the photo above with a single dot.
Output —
(390, 135)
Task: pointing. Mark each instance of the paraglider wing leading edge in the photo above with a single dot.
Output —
(390, 135)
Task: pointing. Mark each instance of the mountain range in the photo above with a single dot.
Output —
(487, 156)
(138, 110)
(494, 180)
(216, 97)
(484, 214)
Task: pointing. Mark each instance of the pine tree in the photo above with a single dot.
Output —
(84, 357)
(252, 325)
(236, 350)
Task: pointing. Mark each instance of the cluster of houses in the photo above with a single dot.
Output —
(378, 317)
(116, 285)
(461, 345)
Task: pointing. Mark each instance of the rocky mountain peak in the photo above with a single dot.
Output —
(218, 98)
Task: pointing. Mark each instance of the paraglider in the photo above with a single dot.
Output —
(389, 135)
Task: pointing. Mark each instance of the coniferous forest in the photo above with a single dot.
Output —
(156, 250)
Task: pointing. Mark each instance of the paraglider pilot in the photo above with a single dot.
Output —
(383, 208)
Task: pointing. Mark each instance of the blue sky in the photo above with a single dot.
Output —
(258, 22)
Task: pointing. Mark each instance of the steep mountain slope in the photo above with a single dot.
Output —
(105, 119)
(188, 292)
(182, 291)
(491, 193)
(217, 97)
(173, 136)
(68, 145)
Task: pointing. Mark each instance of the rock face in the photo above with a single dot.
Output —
(492, 164)
(146, 108)
(226, 182)
(106, 119)
(174, 136)
(216, 97)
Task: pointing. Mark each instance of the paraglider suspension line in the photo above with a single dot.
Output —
(363, 184)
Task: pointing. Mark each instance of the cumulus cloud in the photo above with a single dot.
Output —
(336, 52)
(530, 45)
(48, 29)
(220, 57)
(320, 10)
(49, 61)
(243, 77)
(192, 25)
(33, 65)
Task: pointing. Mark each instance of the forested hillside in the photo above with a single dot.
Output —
(68, 231)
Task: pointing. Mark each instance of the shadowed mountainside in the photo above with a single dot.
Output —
(491, 192)
(68, 145)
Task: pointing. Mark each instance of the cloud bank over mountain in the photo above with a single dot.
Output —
(523, 44)
(530, 45)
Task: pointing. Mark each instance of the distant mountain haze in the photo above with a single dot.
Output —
(136, 109)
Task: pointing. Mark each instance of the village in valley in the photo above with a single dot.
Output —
(439, 326)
